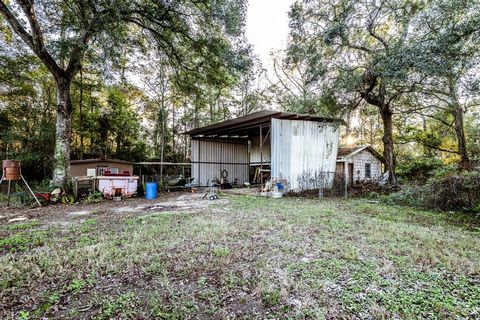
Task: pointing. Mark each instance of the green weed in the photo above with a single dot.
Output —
(271, 298)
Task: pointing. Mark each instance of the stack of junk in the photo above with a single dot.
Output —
(110, 184)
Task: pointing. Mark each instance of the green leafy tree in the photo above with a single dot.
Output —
(62, 33)
(383, 51)
(26, 126)
(362, 48)
(448, 56)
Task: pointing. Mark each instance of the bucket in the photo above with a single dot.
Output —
(151, 190)
(275, 194)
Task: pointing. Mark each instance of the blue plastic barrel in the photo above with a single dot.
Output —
(151, 190)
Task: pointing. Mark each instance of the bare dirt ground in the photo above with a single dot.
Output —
(63, 214)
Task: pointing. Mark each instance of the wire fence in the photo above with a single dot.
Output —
(323, 184)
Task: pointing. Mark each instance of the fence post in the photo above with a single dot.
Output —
(320, 187)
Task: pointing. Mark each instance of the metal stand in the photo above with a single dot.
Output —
(29, 189)
(9, 189)
(8, 193)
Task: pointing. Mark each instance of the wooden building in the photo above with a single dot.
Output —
(360, 163)
(98, 167)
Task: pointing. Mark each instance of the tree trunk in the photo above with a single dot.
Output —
(118, 146)
(461, 139)
(387, 119)
(457, 113)
(82, 144)
(61, 171)
(211, 112)
(173, 129)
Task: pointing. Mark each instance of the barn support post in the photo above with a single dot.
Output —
(266, 136)
(261, 157)
(199, 166)
(220, 169)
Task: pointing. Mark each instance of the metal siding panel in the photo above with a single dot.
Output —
(303, 147)
(255, 149)
(219, 152)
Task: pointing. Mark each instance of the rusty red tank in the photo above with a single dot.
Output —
(11, 170)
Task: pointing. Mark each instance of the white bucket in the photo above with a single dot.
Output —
(275, 194)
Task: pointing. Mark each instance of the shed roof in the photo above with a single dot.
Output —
(99, 161)
(346, 152)
(249, 124)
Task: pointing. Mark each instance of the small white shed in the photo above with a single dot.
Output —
(360, 163)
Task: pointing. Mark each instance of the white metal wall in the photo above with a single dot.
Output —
(223, 154)
(303, 148)
(255, 150)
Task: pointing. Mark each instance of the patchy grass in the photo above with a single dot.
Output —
(251, 258)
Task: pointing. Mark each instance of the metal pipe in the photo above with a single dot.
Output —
(30, 190)
(8, 193)
(199, 167)
(261, 157)
(345, 171)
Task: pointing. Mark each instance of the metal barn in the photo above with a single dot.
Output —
(291, 147)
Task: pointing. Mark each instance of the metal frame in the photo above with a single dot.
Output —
(262, 142)
(9, 187)
(249, 124)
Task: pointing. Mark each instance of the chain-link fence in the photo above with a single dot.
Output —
(323, 184)
(235, 175)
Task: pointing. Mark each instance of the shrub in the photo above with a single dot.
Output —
(458, 191)
(409, 195)
(454, 192)
(419, 168)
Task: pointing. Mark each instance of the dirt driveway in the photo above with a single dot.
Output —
(67, 214)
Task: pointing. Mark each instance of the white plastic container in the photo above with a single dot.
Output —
(112, 186)
(275, 194)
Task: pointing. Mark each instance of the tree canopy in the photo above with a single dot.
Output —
(196, 37)
(384, 53)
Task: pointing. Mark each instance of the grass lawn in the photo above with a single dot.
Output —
(248, 258)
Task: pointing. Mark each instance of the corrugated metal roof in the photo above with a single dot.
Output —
(249, 124)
